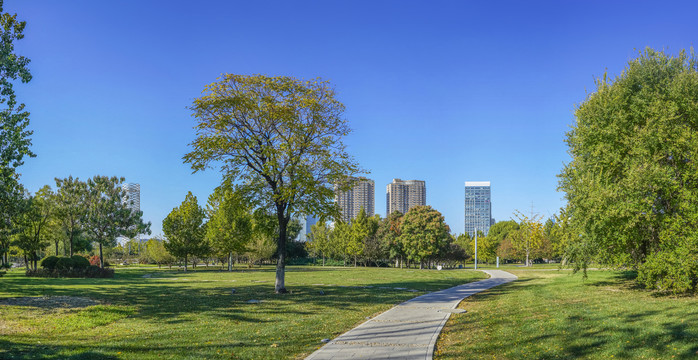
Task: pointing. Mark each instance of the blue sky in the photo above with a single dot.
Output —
(441, 91)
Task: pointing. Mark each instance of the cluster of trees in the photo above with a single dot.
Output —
(76, 215)
(229, 229)
(632, 183)
(421, 238)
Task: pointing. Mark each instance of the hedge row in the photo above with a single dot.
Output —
(90, 271)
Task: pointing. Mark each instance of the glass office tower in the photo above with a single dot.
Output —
(478, 207)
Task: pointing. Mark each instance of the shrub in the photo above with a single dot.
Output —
(94, 260)
(49, 262)
(80, 262)
(5, 266)
(88, 272)
(672, 271)
(64, 263)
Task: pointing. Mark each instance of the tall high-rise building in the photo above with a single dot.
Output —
(402, 195)
(306, 223)
(350, 202)
(132, 196)
(478, 207)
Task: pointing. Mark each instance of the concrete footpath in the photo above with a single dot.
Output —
(409, 330)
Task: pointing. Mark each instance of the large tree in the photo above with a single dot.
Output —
(281, 138)
(185, 229)
(108, 217)
(229, 226)
(14, 136)
(423, 233)
(633, 178)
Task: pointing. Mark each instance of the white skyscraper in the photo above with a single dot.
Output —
(132, 196)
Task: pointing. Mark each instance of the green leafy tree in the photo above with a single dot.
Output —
(107, 216)
(423, 233)
(71, 207)
(184, 229)
(14, 121)
(359, 232)
(282, 138)
(633, 179)
(373, 251)
(262, 245)
(389, 235)
(464, 241)
(498, 233)
(34, 222)
(229, 227)
(339, 238)
(158, 253)
(320, 240)
(529, 237)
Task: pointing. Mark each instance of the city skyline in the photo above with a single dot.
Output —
(438, 93)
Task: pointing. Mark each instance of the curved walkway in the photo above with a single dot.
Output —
(409, 330)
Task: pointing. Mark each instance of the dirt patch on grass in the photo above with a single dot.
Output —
(50, 302)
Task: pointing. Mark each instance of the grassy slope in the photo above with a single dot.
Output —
(555, 315)
(194, 315)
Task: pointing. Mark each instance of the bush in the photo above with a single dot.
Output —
(80, 262)
(49, 262)
(672, 271)
(88, 272)
(64, 263)
(94, 260)
(5, 266)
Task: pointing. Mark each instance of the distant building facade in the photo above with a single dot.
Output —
(402, 195)
(306, 223)
(350, 202)
(132, 200)
(132, 196)
(478, 207)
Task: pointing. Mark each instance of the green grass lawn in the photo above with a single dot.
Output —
(194, 315)
(556, 315)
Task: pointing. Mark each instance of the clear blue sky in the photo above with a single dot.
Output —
(441, 91)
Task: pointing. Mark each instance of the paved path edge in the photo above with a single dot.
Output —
(432, 343)
(435, 337)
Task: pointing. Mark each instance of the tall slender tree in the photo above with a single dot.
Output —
(229, 226)
(185, 230)
(282, 138)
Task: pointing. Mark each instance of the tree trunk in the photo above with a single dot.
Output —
(279, 286)
(421, 265)
(185, 263)
(354, 261)
(323, 259)
(56, 248)
(101, 256)
(527, 261)
(230, 261)
(71, 244)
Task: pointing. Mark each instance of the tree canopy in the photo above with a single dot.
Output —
(633, 178)
(184, 229)
(278, 137)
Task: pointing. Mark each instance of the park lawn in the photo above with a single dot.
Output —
(160, 314)
(557, 315)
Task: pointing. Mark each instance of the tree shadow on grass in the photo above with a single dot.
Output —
(14, 350)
